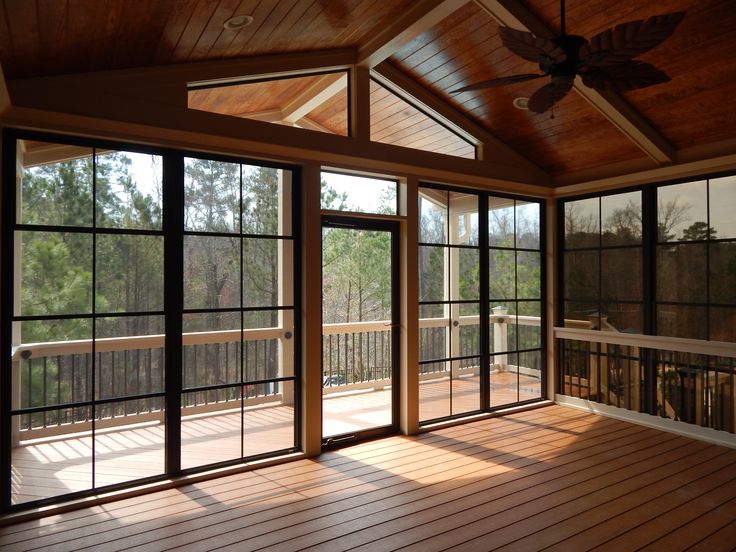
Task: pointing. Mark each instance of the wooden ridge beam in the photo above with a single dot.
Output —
(512, 13)
(419, 18)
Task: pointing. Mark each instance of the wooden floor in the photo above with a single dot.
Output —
(61, 465)
(547, 479)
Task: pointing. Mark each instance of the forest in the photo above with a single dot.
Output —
(695, 269)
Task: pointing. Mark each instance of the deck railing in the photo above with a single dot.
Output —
(61, 374)
(509, 333)
(129, 369)
(687, 380)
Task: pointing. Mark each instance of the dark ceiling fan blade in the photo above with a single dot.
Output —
(550, 94)
(501, 81)
(528, 46)
(625, 76)
(628, 40)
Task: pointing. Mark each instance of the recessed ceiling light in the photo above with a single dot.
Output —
(237, 22)
(521, 103)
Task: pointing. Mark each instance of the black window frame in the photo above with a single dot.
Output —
(173, 233)
(484, 248)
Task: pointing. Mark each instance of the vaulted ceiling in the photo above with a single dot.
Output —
(436, 46)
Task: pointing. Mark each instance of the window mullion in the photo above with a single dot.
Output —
(173, 226)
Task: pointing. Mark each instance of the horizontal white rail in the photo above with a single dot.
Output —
(471, 320)
(356, 327)
(679, 344)
(131, 343)
(112, 344)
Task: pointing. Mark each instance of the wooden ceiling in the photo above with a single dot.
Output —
(584, 134)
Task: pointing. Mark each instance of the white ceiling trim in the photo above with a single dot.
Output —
(324, 88)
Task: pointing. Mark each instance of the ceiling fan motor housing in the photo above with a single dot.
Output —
(570, 44)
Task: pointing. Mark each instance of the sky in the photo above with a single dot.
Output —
(364, 195)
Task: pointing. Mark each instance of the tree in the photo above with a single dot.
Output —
(699, 231)
(623, 226)
(670, 215)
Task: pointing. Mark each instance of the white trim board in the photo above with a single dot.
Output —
(706, 434)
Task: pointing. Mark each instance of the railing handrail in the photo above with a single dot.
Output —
(678, 344)
(130, 343)
(522, 320)
(356, 327)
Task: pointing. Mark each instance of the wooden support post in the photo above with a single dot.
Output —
(311, 311)
(551, 307)
(360, 105)
(409, 270)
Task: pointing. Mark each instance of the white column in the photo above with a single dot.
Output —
(453, 286)
(286, 285)
(501, 335)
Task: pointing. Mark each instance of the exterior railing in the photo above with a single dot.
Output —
(686, 380)
(506, 330)
(61, 373)
(355, 355)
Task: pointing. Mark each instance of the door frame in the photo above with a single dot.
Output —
(349, 222)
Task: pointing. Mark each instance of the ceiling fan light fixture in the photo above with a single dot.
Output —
(521, 103)
(606, 62)
(237, 22)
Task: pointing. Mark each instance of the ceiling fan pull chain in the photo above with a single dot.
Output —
(562, 17)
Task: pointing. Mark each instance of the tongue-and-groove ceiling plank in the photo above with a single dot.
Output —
(465, 48)
(611, 105)
(691, 113)
(65, 36)
(696, 106)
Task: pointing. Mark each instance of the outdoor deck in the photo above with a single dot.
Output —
(63, 464)
(552, 478)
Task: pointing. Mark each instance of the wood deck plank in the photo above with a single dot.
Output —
(433, 452)
(405, 499)
(346, 480)
(461, 520)
(723, 539)
(364, 451)
(552, 476)
(352, 512)
(647, 523)
(690, 533)
(369, 520)
(561, 521)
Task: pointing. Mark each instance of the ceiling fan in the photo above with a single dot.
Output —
(605, 62)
